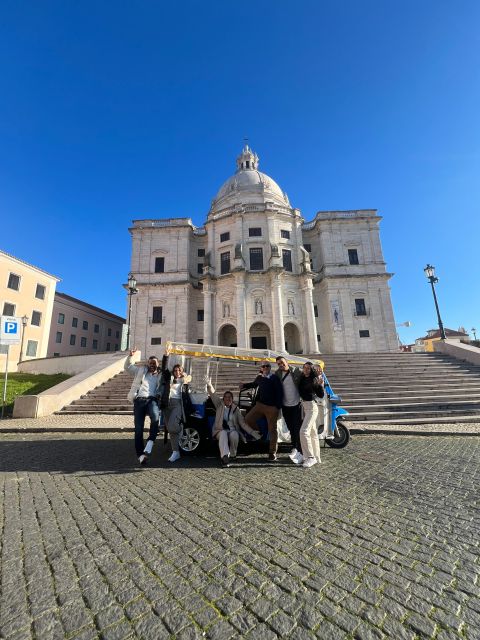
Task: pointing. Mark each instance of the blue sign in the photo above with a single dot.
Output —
(11, 327)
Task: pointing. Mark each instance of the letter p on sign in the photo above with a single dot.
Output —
(11, 327)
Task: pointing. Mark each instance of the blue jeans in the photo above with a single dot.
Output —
(141, 408)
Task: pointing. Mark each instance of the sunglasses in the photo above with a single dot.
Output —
(265, 366)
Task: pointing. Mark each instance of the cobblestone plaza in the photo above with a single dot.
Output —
(381, 540)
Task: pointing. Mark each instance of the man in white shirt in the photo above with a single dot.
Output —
(291, 407)
(144, 394)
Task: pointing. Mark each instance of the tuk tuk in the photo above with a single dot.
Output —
(228, 367)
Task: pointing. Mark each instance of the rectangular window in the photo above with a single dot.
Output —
(13, 282)
(364, 333)
(117, 334)
(200, 315)
(96, 328)
(56, 355)
(32, 348)
(156, 341)
(40, 292)
(308, 247)
(360, 309)
(83, 342)
(8, 309)
(58, 337)
(315, 310)
(108, 346)
(95, 344)
(116, 347)
(85, 325)
(200, 267)
(353, 256)
(75, 322)
(199, 340)
(73, 337)
(254, 231)
(318, 337)
(36, 318)
(109, 332)
(225, 262)
(61, 318)
(287, 259)
(285, 234)
(159, 265)
(256, 259)
(157, 316)
(201, 253)
(225, 236)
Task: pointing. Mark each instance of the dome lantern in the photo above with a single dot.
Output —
(247, 160)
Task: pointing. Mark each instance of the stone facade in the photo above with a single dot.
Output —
(257, 275)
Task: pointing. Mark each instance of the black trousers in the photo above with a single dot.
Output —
(293, 420)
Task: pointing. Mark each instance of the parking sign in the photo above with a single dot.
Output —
(10, 330)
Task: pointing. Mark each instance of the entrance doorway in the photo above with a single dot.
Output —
(227, 336)
(260, 336)
(259, 342)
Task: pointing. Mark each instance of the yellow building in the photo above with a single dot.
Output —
(433, 335)
(26, 292)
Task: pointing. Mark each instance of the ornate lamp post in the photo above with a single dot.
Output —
(24, 324)
(473, 330)
(132, 290)
(430, 273)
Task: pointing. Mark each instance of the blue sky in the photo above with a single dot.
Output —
(114, 111)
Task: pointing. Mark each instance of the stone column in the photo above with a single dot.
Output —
(242, 338)
(278, 338)
(208, 313)
(310, 339)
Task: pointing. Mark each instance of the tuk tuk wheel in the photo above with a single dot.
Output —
(191, 440)
(341, 436)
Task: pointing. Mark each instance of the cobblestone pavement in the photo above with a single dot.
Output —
(104, 421)
(381, 540)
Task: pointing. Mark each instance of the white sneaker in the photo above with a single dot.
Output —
(322, 435)
(309, 462)
(298, 458)
(148, 447)
(293, 454)
(174, 457)
(143, 459)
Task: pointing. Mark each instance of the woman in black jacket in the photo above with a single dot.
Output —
(310, 387)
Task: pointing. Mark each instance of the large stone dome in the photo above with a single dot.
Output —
(248, 185)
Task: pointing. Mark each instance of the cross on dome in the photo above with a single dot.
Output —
(247, 160)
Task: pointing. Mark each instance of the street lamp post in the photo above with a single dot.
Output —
(24, 324)
(473, 330)
(132, 290)
(430, 273)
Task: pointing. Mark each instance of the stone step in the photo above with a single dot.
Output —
(381, 417)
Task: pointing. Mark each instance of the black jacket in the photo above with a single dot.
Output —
(310, 387)
(270, 390)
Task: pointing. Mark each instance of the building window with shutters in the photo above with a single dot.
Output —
(40, 292)
(224, 237)
(83, 342)
(8, 309)
(157, 315)
(96, 328)
(73, 338)
(360, 308)
(352, 256)
(287, 259)
(256, 259)
(13, 282)
(74, 322)
(36, 318)
(159, 265)
(225, 262)
(201, 253)
(61, 318)
(85, 325)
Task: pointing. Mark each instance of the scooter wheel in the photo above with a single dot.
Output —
(341, 436)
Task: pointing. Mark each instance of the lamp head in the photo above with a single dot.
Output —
(132, 283)
(429, 271)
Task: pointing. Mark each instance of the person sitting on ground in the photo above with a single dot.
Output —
(144, 393)
(228, 424)
(268, 404)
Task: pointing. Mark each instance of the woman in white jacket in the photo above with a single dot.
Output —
(228, 425)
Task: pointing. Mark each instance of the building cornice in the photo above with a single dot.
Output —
(27, 264)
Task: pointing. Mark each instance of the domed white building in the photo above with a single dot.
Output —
(257, 275)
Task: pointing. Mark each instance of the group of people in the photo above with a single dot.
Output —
(295, 392)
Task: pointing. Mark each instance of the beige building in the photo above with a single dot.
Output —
(258, 275)
(79, 328)
(26, 292)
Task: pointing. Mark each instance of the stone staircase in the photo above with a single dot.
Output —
(377, 388)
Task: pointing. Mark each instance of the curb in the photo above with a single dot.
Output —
(400, 432)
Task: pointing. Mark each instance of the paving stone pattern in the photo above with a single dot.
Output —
(381, 540)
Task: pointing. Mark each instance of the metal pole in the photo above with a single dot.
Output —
(440, 323)
(129, 315)
(21, 345)
(5, 382)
